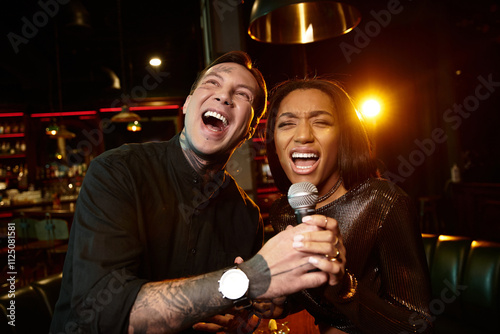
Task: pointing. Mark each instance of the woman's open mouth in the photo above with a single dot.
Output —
(304, 161)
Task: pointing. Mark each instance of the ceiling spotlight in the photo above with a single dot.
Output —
(155, 62)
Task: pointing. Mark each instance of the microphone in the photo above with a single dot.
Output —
(303, 197)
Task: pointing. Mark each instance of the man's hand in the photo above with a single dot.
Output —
(238, 322)
(270, 309)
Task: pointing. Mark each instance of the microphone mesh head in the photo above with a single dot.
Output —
(302, 194)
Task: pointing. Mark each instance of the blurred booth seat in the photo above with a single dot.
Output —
(34, 307)
(465, 280)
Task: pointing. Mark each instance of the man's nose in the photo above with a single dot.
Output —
(224, 97)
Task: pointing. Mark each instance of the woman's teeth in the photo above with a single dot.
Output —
(298, 155)
(304, 160)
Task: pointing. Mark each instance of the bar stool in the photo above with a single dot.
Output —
(29, 256)
(55, 233)
(25, 229)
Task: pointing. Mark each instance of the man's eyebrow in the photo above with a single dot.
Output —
(251, 89)
(215, 74)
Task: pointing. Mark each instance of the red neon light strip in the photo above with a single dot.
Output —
(6, 156)
(266, 190)
(65, 113)
(11, 114)
(172, 106)
(12, 135)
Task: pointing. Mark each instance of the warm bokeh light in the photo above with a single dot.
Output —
(370, 108)
(51, 130)
(134, 126)
(155, 61)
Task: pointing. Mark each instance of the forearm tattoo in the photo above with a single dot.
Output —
(170, 306)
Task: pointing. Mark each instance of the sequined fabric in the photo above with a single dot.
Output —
(385, 253)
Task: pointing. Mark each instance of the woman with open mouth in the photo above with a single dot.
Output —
(379, 281)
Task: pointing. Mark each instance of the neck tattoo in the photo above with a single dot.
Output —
(331, 191)
(204, 168)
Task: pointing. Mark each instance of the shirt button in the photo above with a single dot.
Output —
(195, 180)
(193, 250)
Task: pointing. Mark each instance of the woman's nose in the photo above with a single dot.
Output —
(303, 133)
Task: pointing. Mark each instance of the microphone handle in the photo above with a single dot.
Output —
(302, 212)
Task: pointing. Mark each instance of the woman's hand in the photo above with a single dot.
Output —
(327, 244)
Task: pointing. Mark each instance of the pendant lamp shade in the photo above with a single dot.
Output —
(300, 22)
(62, 132)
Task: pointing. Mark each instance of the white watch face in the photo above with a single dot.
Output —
(233, 284)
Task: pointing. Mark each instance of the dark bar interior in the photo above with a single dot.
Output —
(76, 81)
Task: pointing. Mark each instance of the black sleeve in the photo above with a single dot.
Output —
(100, 280)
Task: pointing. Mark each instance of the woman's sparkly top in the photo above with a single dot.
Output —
(384, 251)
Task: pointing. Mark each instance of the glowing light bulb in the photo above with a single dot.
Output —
(371, 108)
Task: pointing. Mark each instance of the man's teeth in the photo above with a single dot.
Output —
(216, 115)
(297, 155)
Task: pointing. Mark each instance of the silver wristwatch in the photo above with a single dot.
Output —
(233, 285)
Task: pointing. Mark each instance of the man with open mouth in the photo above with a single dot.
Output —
(158, 225)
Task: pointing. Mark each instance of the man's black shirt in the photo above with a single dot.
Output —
(143, 214)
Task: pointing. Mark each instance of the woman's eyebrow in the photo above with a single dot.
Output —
(288, 114)
(314, 113)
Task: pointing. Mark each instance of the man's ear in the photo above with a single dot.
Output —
(186, 104)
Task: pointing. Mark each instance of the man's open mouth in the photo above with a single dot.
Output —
(304, 160)
(214, 121)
